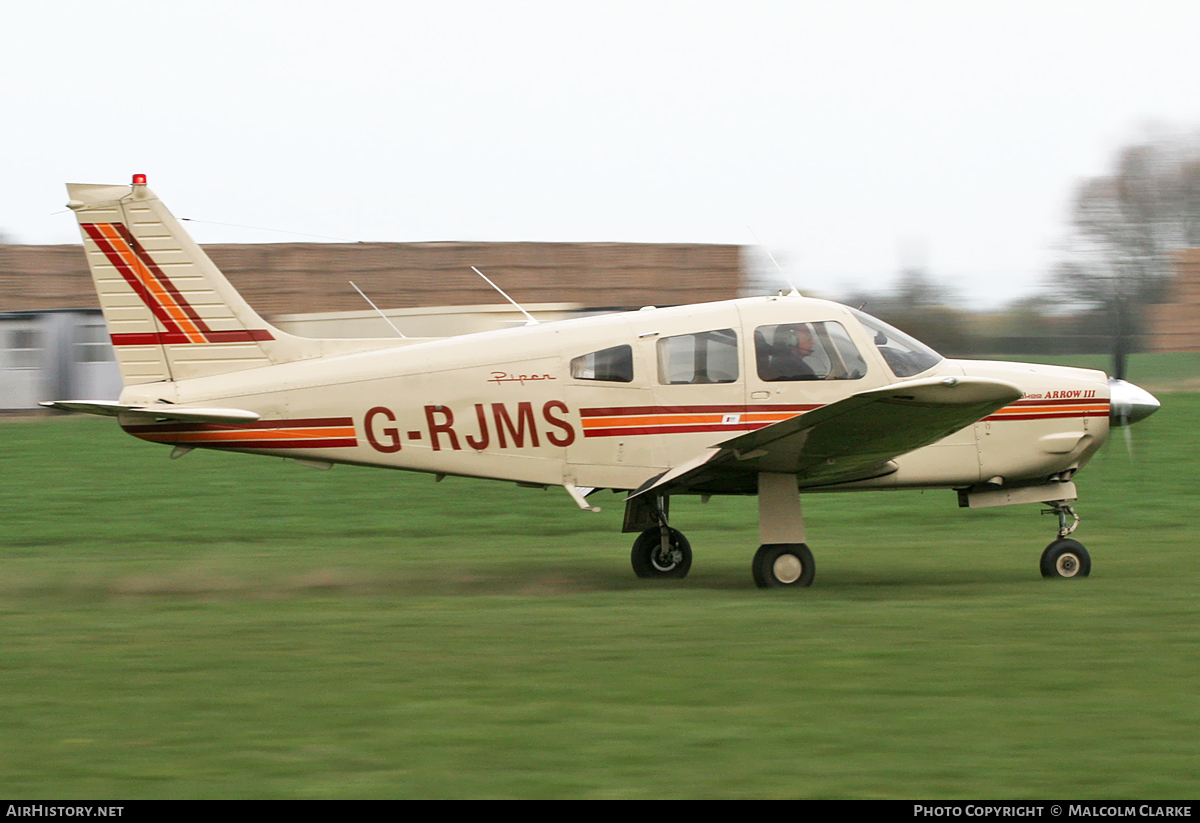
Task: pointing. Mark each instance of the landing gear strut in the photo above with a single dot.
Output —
(1065, 557)
(783, 560)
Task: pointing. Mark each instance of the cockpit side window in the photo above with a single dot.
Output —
(704, 357)
(806, 351)
(614, 365)
(906, 356)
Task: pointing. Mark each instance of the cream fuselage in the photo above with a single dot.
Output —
(504, 405)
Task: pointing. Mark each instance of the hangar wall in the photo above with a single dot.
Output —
(292, 278)
(1175, 325)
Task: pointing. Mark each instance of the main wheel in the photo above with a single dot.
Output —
(649, 560)
(780, 565)
(1066, 558)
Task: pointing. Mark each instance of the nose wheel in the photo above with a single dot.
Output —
(1065, 557)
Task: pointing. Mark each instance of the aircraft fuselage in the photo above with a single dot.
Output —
(513, 405)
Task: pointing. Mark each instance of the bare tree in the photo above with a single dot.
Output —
(1126, 229)
(1128, 225)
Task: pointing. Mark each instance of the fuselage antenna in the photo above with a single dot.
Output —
(794, 291)
(376, 308)
(530, 320)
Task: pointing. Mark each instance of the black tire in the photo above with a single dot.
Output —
(647, 549)
(1066, 558)
(783, 565)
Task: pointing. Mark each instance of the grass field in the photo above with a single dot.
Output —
(228, 626)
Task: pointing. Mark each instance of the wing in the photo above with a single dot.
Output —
(852, 439)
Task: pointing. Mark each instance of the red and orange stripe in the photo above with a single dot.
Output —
(636, 420)
(1047, 409)
(181, 322)
(639, 420)
(309, 433)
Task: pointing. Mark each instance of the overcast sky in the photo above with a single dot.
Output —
(851, 137)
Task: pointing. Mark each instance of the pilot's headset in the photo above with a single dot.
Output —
(787, 337)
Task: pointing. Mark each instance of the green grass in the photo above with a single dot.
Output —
(230, 626)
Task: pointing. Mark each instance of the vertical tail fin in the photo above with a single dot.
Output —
(170, 312)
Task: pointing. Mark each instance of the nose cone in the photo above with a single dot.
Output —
(1129, 403)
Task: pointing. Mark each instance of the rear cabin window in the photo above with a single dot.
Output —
(704, 357)
(806, 351)
(614, 365)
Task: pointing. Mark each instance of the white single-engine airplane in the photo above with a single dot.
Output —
(766, 396)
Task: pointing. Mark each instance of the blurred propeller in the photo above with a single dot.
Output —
(1128, 403)
(1120, 348)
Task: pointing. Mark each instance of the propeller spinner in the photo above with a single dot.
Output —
(1129, 403)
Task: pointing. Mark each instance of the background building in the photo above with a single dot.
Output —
(1175, 325)
(53, 344)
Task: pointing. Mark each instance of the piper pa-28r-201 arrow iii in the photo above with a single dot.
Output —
(769, 396)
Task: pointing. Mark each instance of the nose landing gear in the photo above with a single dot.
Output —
(1065, 557)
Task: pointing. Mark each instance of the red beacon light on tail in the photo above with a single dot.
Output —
(139, 180)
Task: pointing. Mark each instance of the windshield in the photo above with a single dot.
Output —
(906, 356)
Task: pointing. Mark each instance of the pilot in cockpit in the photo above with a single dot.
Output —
(788, 355)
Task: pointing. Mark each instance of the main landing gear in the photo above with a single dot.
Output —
(775, 565)
(1065, 557)
(782, 561)
(781, 565)
(661, 552)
